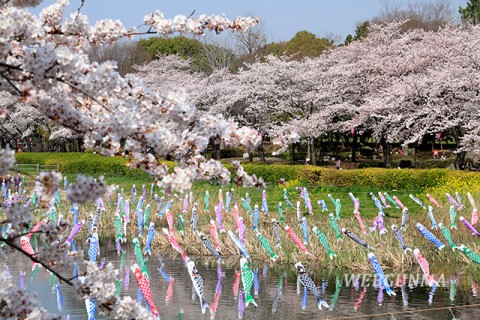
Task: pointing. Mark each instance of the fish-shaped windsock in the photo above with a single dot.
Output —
(435, 202)
(453, 215)
(305, 231)
(118, 228)
(228, 201)
(247, 280)
(181, 223)
(448, 236)
(474, 217)
(308, 283)
(299, 213)
(214, 234)
(377, 203)
(144, 286)
(469, 226)
(399, 236)
(169, 221)
(185, 203)
(139, 204)
(206, 200)
(241, 230)
(391, 200)
(432, 218)
(398, 202)
(380, 275)
(127, 211)
(323, 205)
(247, 198)
(384, 200)
(167, 206)
(27, 247)
(220, 195)
(150, 236)
(356, 205)
(138, 254)
(459, 200)
(236, 216)
(74, 232)
(194, 218)
(295, 239)
(352, 197)
(423, 262)
(381, 226)
(453, 201)
(418, 201)
(139, 222)
(404, 218)
(309, 206)
(256, 215)
(469, 253)
(264, 202)
(266, 246)
(219, 216)
(146, 216)
(323, 240)
(91, 309)
(289, 204)
(332, 200)
(276, 232)
(280, 212)
(239, 245)
(429, 236)
(360, 221)
(173, 242)
(93, 249)
(472, 201)
(247, 206)
(210, 247)
(352, 236)
(334, 226)
(338, 207)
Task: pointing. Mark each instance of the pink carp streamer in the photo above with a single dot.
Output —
(435, 202)
(397, 201)
(423, 262)
(297, 241)
(214, 234)
(175, 245)
(360, 222)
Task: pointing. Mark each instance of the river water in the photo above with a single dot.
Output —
(276, 294)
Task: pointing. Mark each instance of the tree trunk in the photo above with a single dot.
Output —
(354, 147)
(314, 154)
(416, 155)
(261, 151)
(217, 151)
(292, 153)
(250, 156)
(387, 160)
(337, 143)
(459, 162)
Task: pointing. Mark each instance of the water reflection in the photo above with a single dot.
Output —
(274, 287)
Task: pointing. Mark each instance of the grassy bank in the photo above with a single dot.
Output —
(349, 254)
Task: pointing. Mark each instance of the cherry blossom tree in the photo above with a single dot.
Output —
(44, 64)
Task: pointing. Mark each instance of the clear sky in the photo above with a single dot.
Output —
(282, 18)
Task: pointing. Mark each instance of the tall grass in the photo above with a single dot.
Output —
(350, 255)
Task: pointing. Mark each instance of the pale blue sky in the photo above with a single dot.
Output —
(282, 18)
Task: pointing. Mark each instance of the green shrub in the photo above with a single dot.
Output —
(371, 164)
(435, 163)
